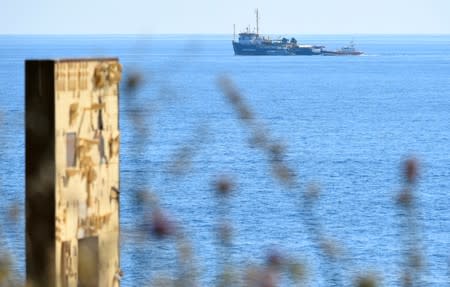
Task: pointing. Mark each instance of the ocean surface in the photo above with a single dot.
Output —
(346, 125)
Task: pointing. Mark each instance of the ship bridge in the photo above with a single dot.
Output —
(249, 38)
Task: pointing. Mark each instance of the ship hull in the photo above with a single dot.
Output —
(300, 51)
(259, 50)
(273, 50)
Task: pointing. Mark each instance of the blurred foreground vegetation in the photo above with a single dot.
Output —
(278, 266)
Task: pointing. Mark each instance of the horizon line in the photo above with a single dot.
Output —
(220, 34)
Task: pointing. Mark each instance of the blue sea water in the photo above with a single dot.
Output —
(347, 123)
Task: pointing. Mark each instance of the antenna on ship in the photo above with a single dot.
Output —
(257, 22)
(234, 32)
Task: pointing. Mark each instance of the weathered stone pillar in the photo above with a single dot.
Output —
(72, 172)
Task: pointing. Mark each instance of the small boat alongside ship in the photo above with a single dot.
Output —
(252, 44)
(344, 51)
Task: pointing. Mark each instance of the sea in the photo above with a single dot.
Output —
(340, 129)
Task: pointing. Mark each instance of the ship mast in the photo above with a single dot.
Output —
(257, 22)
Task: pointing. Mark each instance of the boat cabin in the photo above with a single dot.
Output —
(247, 38)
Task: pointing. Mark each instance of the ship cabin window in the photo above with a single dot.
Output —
(247, 36)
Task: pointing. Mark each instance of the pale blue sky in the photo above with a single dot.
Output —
(218, 17)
